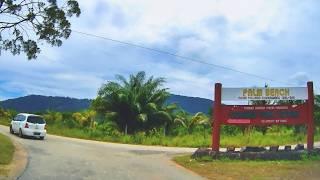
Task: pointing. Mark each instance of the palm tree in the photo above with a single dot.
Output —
(190, 121)
(134, 104)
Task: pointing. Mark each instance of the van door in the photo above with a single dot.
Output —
(20, 123)
(17, 122)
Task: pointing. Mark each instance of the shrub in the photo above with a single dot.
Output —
(139, 137)
(70, 123)
(108, 128)
(230, 130)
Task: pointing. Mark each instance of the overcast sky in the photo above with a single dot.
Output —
(278, 40)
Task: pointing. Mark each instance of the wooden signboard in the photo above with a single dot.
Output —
(263, 115)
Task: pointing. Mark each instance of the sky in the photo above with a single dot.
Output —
(277, 42)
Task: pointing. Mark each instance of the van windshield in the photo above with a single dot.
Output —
(36, 120)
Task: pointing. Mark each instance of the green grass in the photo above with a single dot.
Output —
(197, 139)
(5, 122)
(230, 169)
(258, 139)
(192, 140)
(6, 153)
(6, 149)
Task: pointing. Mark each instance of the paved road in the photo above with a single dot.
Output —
(67, 158)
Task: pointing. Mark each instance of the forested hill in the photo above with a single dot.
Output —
(191, 104)
(38, 103)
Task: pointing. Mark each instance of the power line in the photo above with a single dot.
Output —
(178, 56)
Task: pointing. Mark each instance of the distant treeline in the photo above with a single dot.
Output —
(39, 103)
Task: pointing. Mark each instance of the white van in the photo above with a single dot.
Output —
(28, 125)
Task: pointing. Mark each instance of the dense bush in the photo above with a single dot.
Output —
(108, 129)
(230, 130)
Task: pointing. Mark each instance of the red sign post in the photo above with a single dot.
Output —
(216, 114)
(263, 115)
(310, 123)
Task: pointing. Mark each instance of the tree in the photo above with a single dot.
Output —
(52, 117)
(190, 121)
(23, 23)
(167, 116)
(134, 104)
(4, 114)
(86, 118)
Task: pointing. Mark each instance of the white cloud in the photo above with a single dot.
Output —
(192, 46)
(267, 38)
(151, 21)
(299, 78)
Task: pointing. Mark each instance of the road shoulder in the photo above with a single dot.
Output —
(19, 161)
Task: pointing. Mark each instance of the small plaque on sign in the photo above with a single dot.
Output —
(280, 93)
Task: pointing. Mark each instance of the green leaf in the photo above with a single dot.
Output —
(180, 121)
(142, 117)
(47, 20)
(152, 107)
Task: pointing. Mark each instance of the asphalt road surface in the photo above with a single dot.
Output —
(67, 158)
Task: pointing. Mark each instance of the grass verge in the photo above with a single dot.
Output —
(191, 140)
(5, 122)
(6, 153)
(196, 139)
(253, 169)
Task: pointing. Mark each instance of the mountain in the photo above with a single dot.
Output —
(191, 104)
(38, 103)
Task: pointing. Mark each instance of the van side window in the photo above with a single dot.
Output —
(22, 118)
(19, 118)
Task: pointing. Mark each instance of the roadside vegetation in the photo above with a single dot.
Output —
(252, 169)
(6, 154)
(134, 110)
